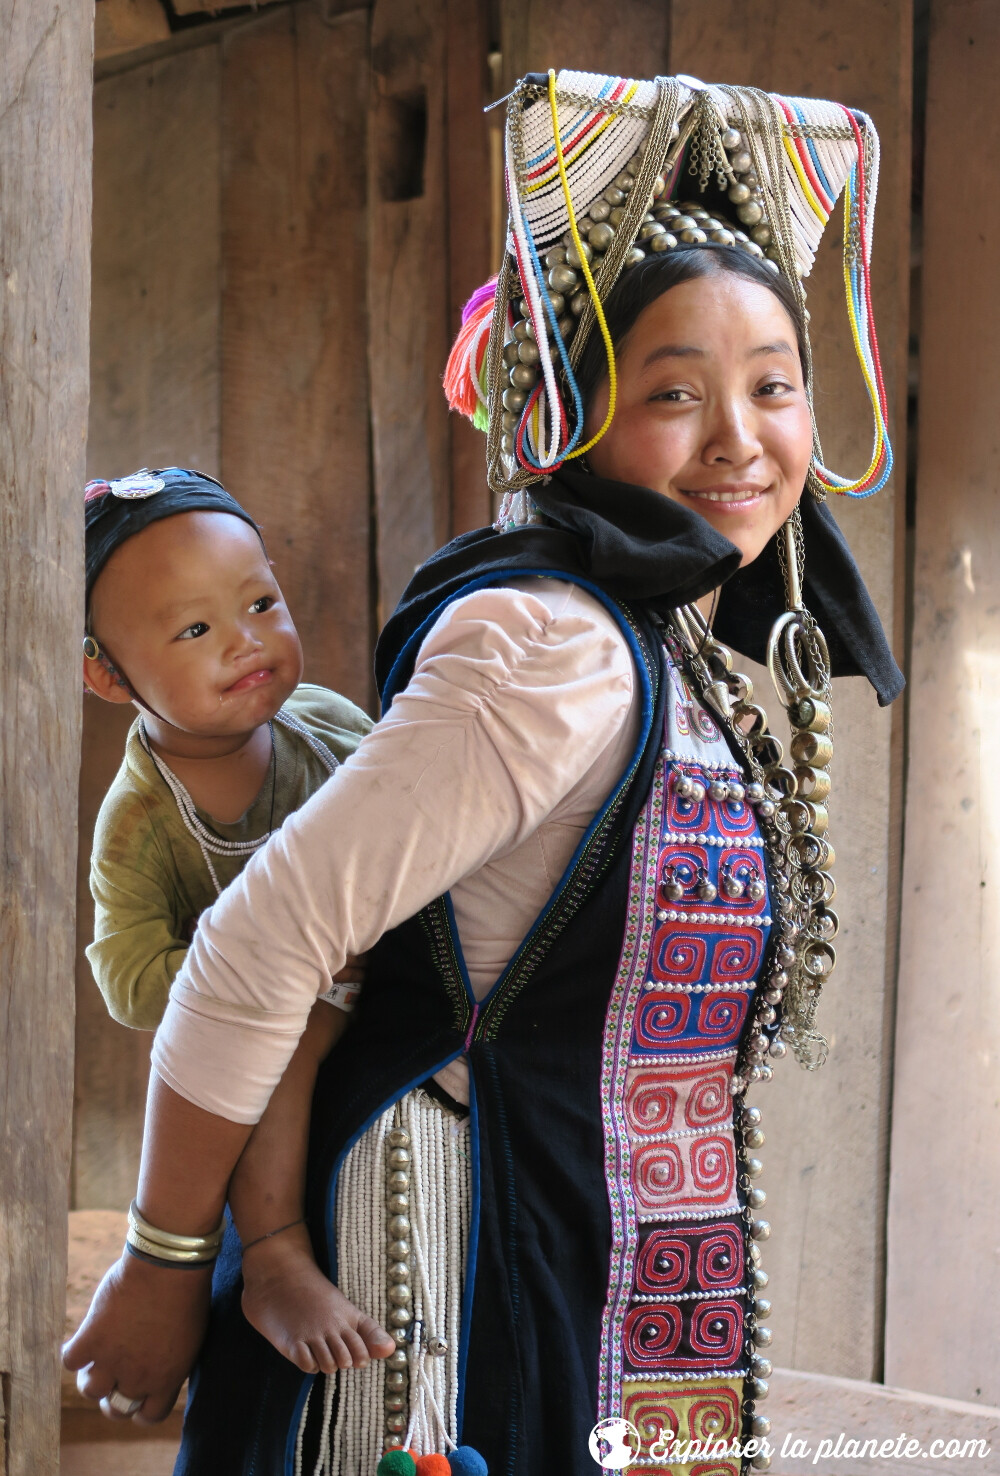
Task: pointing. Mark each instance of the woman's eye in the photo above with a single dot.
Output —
(673, 396)
(259, 606)
(193, 631)
(773, 387)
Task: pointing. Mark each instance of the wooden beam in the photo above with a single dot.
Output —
(45, 163)
(469, 226)
(943, 1266)
(214, 7)
(408, 288)
(295, 440)
(826, 1160)
(125, 25)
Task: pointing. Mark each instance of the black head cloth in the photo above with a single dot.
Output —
(117, 511)
(641, 547)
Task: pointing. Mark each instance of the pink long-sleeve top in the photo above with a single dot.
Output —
(519, 719)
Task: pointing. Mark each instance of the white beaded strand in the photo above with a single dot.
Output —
(208, 842)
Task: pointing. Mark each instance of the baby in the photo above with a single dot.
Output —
(186, 622)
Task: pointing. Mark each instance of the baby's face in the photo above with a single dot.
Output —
(190, 611)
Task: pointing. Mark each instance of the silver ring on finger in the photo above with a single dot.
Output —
(122, 1405)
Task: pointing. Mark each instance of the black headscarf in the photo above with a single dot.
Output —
(124, 508)
(639, 546)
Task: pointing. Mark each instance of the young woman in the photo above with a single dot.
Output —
(593, 893)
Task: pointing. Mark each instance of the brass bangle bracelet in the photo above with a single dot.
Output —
(175, 1247)
(203, 1257)
(168, 1265)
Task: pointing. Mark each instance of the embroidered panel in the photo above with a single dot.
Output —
(674, 1346)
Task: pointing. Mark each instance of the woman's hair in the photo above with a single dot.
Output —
(642, 284)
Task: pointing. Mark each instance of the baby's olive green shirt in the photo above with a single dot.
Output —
(147, 874)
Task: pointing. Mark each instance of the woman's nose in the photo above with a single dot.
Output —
(732, 437)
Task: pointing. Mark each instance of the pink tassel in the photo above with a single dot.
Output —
(459, 385)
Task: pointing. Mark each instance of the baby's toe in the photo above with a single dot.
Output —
(300, 1353)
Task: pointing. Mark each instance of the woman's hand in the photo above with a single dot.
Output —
(141, 1336)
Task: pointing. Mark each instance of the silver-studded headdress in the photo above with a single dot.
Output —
(604, 171)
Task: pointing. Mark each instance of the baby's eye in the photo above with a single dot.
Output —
(193, 631)
(259, 606)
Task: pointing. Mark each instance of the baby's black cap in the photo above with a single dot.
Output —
(115, 511)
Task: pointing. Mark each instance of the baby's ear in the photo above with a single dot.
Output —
(103, 680)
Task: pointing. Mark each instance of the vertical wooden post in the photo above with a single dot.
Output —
(408, 288)
(943, 1267)
(45, 153)
(469, 225)
(826, 1162)
(154, 373)
(295, 439)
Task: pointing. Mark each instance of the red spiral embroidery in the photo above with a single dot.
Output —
(709, 1101)
(660, 1019)
(721, 1017)
(713, 1168)
(663, 1264)
(657, 1175)
(650, 1101)
(678, 955)
(720, 1259)
(735, 960)
(654, 1416)
(714, 1415)
(716, 1331)
(651, 1333)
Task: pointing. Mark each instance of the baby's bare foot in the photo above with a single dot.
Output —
(289, 1301)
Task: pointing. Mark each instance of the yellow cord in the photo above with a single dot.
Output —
(598, 309)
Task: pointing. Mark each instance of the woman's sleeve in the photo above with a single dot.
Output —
(512, 700)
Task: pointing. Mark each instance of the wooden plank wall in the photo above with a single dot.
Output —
(943, 1266)
(45, 160)
(154, 400)
(294, 377)
(826, 1159)
(408, 288)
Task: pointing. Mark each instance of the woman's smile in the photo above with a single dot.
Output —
(728, 497)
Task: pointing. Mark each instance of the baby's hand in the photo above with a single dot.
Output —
(289, 1301)
(353, 971)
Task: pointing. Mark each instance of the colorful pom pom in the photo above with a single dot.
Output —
(465, 372)
(467, 1462)
(433, 1465)
(396, 1463)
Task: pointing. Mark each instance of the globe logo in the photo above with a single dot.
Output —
(614, 1443)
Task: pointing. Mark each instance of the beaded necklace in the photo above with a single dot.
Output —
(790, 805)
(209, 842)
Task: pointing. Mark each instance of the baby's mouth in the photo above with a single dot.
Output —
(251, 680)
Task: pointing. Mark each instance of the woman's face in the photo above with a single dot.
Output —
(712, 409)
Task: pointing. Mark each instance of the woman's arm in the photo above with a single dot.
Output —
(146, 1323)
(509, 706)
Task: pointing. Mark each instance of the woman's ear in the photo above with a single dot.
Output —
(101, 678)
